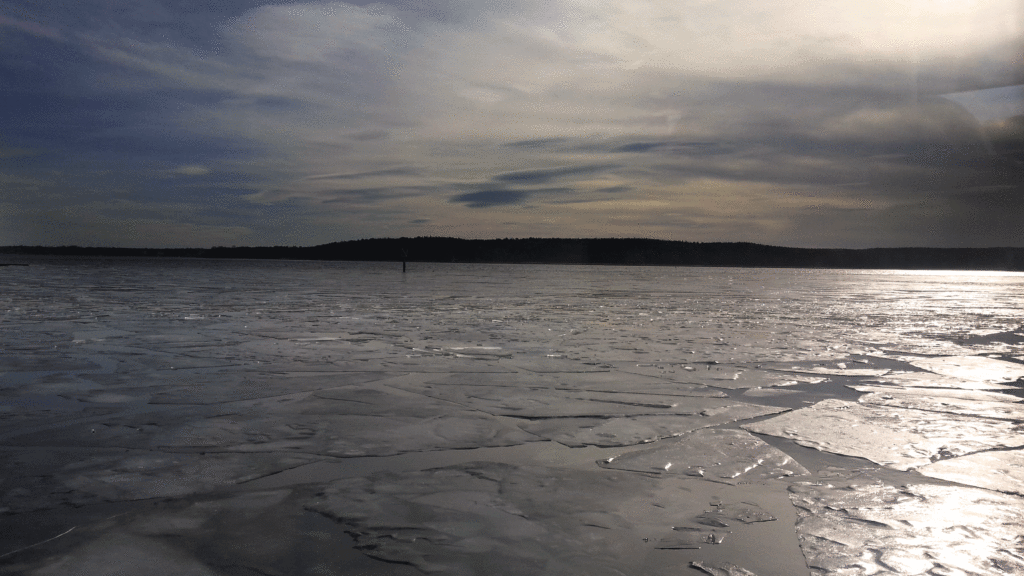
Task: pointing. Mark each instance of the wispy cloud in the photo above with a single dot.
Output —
(491, 198)
(547, 175)
(33, 28)
(192, 170)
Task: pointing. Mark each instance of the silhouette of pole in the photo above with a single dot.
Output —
(405, 256)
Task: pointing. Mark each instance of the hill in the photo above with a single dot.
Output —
(608, 251)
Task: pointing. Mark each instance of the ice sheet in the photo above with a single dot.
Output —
(496, 518)
(863, 527)
(874, 372)
(746, 512)
(593, 382)
(26, 411)
(736, 377)
(514, 521)
(768, 392)
(346, 421)
(258, 532)
(353, 421)
(893, 437)
(975, 368)
(549, 402)
(1001, 470)
(577, 432)
(233, 386)
(921, 400)
(120, 553)
(147, 365)
(35, 361)
(971, 395)
(727, 456)
(555, 365)
(721, 569)
(57, 478)
(932, 380)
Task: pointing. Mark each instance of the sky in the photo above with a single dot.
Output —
(810, 123)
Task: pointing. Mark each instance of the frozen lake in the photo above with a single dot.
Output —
(280, 417)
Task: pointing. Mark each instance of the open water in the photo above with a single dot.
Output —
(175, 416)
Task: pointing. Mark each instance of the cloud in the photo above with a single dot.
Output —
(119, 224)
(993, 104)
(351, 115)
(547, 175)
(675, 147)
(369, 174)
(192, 170)
(375, 195)
(536, 143)
(492, 198)
(32, 28)
(7, 152)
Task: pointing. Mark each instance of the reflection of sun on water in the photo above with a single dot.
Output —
(914, 529)
(942, 273)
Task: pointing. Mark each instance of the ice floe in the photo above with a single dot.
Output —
(1001, 470)
(964, 404)
(727, 456)
(767, 392)
(496, 518)
(540, 401)
(221, 387)
(968, 394)
(120, 553)
(875, 372)
(721, 568)
(893, 437)
(733, 378)
(592, 381)
(860, 526)
(975, 368)
(746, 512)
(576, 432)
(80, 477)
(348, 422)
(932, 380)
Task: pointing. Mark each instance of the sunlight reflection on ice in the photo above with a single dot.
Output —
(860, 526)
(717, 455)
(976, 368)
(893, 437)
(1001, 470)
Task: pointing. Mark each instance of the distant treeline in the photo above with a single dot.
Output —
(624, 251)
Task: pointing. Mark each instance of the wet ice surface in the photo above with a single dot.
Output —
(717, 455)
(966, 404)
(721, 569)
(976, 368)
(860, 525)
(1001, 470)
(897, 438)
(241, 417)
(496, 518)
(932, 380)
(607, 432)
